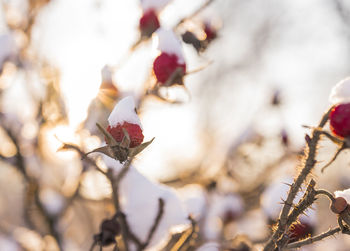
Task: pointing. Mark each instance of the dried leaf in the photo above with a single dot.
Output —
(107, 150)
(136, 150)
(109, 139)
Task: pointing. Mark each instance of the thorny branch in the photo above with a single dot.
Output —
(308, 199)
(313, 239)
(309, 163)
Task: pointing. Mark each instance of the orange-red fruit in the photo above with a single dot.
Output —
(165, 65)
(340, 120)
(339, 205)
(134, 130)
(149, 23)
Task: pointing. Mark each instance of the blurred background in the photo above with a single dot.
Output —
(238, 130)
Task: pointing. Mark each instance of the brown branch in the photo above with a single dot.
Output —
(67, 146)
(186, 237)
(310, 161)
(313, 239)
(195, 13)
(308, 199)
(155, 224)
(326, 193)
(115, 182)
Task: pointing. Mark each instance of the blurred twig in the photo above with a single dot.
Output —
(186, 237)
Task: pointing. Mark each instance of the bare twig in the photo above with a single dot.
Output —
(326, 193)
(186, 237)
(156, 223)
(341, 148)
(313, 239)
(196, 12)
(67, 146)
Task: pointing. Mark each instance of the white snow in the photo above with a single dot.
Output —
(341, 92)
(124, 111)
(170, 44)
(209, 246)
(345, 194)
(194, 198)
(157, 5)
(219, 205)
(107, 74)
(8, 244)
(7, 47)
(52, 201)
(139, 200)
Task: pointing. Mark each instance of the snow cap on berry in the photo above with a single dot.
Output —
(340, 93)
(170, 44)
(124, 111)
(157, 5)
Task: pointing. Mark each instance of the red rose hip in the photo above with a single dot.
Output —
(340, 120)
(165, 65)
(149, 23)
(134, 130)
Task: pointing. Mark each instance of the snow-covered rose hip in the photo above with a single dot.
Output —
(340, 115)
(149, 23)
(169, 67)
(124, 116)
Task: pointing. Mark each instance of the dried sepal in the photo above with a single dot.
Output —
(119, 151)
(126, 139)
(108, 137)
(136, 150)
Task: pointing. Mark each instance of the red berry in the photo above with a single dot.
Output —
(165, 65)
(149, 23)
(210, 32)
(340, 120)
(300, 231)
(134, 130)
